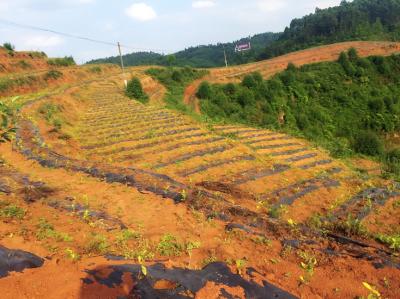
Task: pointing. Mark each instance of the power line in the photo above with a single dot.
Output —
(88, 39)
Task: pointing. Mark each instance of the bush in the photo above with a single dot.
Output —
(249, 82)
(368, 143)
(204, 91)
(66, 61)
(53, 75)
(177, 76)
(95, 69)
(9, 47)
(134, 90)
(393, 161)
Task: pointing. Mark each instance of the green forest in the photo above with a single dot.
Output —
(349, 106)
(356, 20)
(200, 56)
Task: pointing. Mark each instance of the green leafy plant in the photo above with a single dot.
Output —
(12, 211)
(392, 241)
(45, 230)
(72, 255)
(169, 246)
(97, 244)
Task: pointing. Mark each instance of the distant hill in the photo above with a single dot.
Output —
(134, 59)
(200, 56)
(356, 20)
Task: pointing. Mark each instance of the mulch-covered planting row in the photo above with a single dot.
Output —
(119, 133)
(135, 121)
(150, 144)
(149, 136)
(251, 142)
(288, 195)
(257, 173)
(129, 118)
(182, 282)
(315, 164)
(213, 164)
(289, 152)
(301, 158)
(275, 146)
(130, 126)
(124, 114)
(362, 204)
(199, 153)
(173, 147)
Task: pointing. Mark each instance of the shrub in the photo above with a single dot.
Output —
(95, 69)
(393, 161)
(53, 75)
(204, 91)
(291, 67)
(9, 47)
(353, 55)
(368, 143)
(177, 76)
(249, 82)
(134, 90)
(66, 61)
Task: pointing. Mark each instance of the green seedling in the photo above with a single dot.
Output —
(72, 255)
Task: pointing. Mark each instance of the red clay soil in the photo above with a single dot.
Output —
(283, 255)
(270, 67)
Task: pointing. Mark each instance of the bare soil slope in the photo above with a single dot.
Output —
(108, 198)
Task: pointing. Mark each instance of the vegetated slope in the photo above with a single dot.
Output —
(27, 72)
(200, 56)
(342, 105)
(352, 20)
(15, 62)
(93, 173)
(270, 67)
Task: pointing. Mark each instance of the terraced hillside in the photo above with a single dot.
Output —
(102, 196)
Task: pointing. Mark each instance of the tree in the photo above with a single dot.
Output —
(171, 60)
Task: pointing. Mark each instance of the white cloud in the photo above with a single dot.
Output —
(271, 5)
(42, 42)
(203, 4)
(141, 12)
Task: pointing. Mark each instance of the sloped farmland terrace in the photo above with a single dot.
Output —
(252, 198)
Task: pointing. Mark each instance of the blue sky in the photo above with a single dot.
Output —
(161, 25)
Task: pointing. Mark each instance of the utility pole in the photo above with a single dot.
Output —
(226, 61)
(122, 65)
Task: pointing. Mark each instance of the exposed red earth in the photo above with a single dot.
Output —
(136, 201)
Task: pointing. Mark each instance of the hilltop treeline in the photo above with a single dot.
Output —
(348, 106)
(356, 20)
(200, 56)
